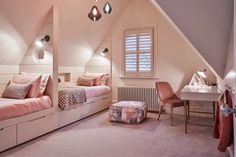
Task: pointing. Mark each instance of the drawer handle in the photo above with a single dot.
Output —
(1, 129)
(91, 102)
(37, 118)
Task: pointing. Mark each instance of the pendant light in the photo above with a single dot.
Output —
(107, 8)
(94, 14)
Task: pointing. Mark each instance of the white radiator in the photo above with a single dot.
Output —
(144, 94)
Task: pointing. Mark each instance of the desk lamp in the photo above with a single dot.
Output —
(197, 78)
(202, 74)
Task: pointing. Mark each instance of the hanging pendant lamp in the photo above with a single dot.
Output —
(107, 8)
(94, 14)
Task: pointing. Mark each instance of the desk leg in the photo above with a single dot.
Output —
(188, 106)
(186, 116)
(214, 110)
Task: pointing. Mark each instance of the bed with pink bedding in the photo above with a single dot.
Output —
(11, 108)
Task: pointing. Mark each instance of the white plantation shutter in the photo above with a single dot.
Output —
(138, 58)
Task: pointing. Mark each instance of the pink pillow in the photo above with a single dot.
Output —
(16, 91)
(43, 83)
(33, 80)
(101, 78)
(83, 81)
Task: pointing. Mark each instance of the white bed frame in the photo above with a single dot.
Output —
(18, 130)
(79, 111)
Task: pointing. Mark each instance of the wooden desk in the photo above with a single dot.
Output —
(202, 93)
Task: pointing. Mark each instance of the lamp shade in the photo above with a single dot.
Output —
(107, 8)
(202, 73)
(41, 54)
(94, 14)
(39, 43)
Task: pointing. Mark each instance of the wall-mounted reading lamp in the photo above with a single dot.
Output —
(41, 42)
(104, 52)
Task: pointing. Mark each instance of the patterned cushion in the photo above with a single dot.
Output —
(16, 91)
(33, 80)
(132, 112)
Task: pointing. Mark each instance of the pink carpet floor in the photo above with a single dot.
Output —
(96, 137)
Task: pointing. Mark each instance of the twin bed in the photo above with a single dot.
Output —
(24, 119)
(70, 94)
(11, 108)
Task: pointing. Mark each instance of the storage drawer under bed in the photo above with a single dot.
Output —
(69, 116)
(36, 127)
(7, 137)
(95, 105)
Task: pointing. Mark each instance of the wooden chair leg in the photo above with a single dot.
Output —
(160, 111)
(186, 116)
(188, 107)
(171, 115)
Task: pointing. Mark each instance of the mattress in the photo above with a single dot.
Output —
(95, 91)
(70, 94)
(11, 108)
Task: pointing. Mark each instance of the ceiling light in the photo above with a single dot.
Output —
(107, 8)
(94, 14)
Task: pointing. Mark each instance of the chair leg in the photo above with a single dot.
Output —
(160, 111)
(188, 107)
(171, 115)
(186, 116)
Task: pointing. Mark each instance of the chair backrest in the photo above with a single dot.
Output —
(164, 91)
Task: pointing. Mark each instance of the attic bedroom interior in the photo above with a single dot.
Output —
(111, 78)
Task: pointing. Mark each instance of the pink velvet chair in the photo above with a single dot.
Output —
(168, 97)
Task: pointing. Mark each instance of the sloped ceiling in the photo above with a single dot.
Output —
(206, 23)
(19, 22)
(79, 36)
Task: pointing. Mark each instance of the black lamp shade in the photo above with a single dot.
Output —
(107, 8)
(94, 14)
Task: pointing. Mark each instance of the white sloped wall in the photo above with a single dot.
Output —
(206, 24)
(30, 62)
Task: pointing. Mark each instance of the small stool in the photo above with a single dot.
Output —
(131, 112)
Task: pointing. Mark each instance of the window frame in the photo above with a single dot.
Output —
(139, 74)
